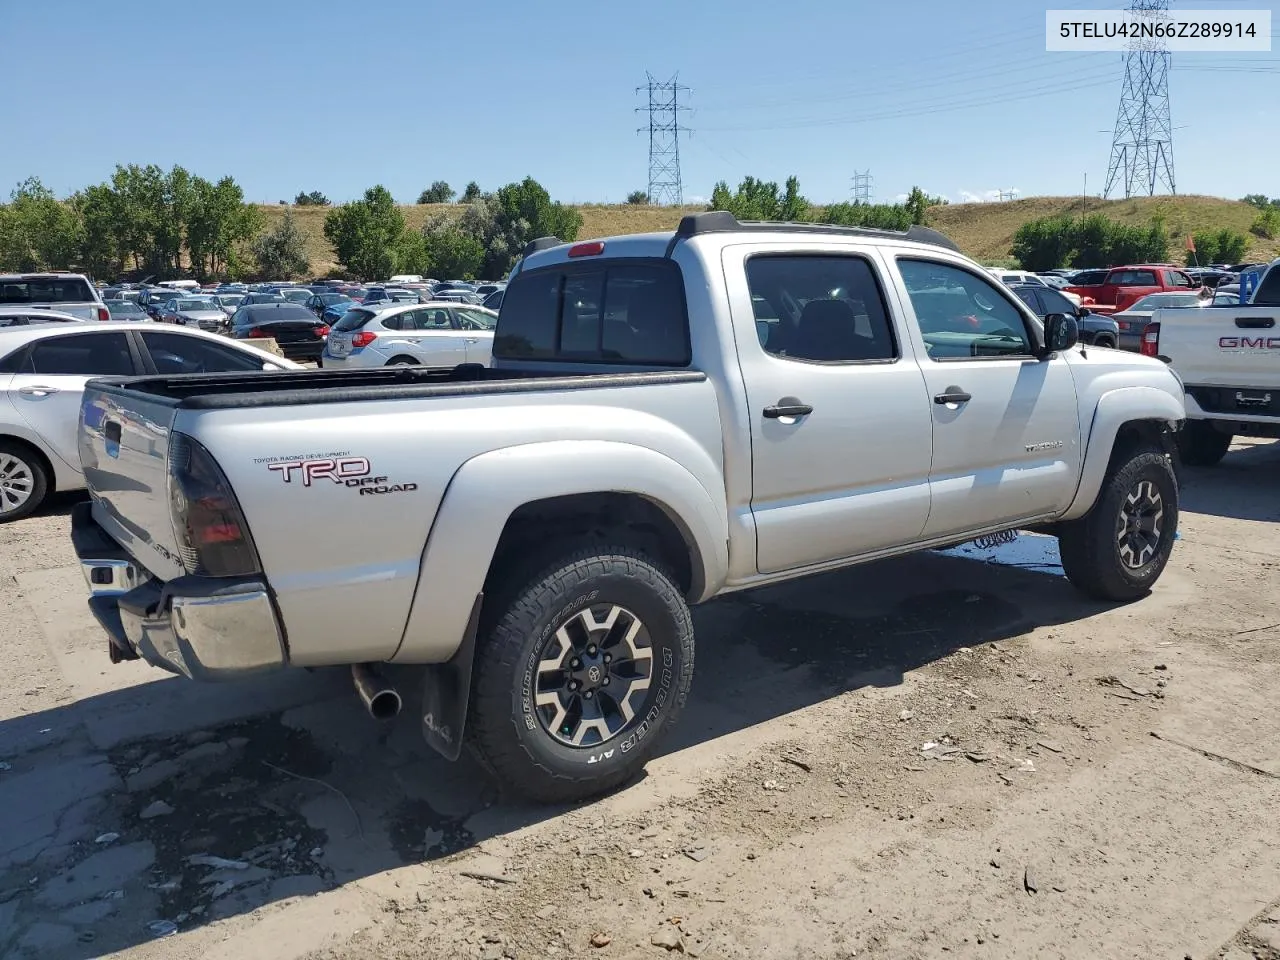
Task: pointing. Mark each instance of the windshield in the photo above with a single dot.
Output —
(45, 290)
(195, 305)
(123, 307)
(1156, 300)
(296, 296)
(231, 299)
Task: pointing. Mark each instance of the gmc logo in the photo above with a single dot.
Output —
(1249, 343)
(339, 471)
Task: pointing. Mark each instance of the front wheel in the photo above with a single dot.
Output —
(1118, 549)
(1200, 444)
(579, 673)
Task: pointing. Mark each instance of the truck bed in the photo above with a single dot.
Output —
(220, 391)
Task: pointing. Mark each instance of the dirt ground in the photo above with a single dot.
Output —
(946, 755)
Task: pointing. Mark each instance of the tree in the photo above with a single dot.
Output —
(1260, 200)
(637, 198)
(363, 233)
(1044, 244)
(761, 200)
(472, 192)
(454, 251)
(438, 192)
(38, 231)
(1266, 224)
(518, 213)
(1218, 246)
(282, 251)
(313, 199)
(918, 203)
(880, 216)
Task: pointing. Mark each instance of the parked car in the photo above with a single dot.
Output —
(336, 311)
(494, 300)
(390, 295)
(1122, 286)
(65, 292)
(1134, 319)
(1226, 295)
(125, 310)
(642, 442)
(295, 294)
(1095, 330)
(430, 334)
(1012, 277)
(252, 298)
(1087, 278)
(295, 329)
(1227, 363)
(456, 295)
(319, 302)
(29, 316)
(486, 289)
(43, 371)
(199, 312)
(229, 303)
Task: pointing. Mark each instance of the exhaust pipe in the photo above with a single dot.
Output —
(379, 697)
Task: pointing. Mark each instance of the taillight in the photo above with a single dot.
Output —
(1122, 324)
(213, 538)
(363, 338)
(322, 330)
(104, 314)
(255, 332)
(1150, 346)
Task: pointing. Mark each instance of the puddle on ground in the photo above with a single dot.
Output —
(1030, 551)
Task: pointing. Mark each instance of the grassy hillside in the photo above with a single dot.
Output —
(983, 230)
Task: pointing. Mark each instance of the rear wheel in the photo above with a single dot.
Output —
(579, 673)
(1118, 549)
(23, 481)
(1201, 445)
(402, 362)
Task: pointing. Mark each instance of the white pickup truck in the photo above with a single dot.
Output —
(65, 292)
(1228, 359)
(669, 417)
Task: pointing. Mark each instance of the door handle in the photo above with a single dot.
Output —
(37, 391)
(952, 394)
(778, 410)
(473, 339)
(1255, 323)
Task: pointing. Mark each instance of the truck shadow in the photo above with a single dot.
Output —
(292, 802)
(1241, 487)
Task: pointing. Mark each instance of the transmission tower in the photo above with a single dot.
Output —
(1142, 145)
(862, 186)
(664, 109)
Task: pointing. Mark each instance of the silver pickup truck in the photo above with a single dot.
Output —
(668, 417)
(65, 292)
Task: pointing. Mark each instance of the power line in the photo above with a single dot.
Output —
(1142, 145)
(664, 129)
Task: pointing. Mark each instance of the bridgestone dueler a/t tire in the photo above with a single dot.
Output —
(504, 729)
(1201, 445)
(1088, 548)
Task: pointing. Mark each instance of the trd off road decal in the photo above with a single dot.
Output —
(353, 472)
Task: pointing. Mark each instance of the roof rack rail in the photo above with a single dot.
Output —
(721, 221)
(542, 243)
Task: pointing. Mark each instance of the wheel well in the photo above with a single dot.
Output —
(50, 477)
(1138, 435)
(402, 358)
(627, 518)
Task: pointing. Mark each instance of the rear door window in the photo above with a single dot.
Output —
(82, 354)
(629, 312)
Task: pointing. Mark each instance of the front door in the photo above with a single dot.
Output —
(840, 423)
(437, 343)
(48, 389)
(1006, 427)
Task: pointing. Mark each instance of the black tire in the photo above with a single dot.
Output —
(1093, 555)
(21, 468)
(1105, 342)
(510, 732)
(402, 362)
(1201, 445)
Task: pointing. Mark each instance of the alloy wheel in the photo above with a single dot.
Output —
(16, 483)
(1140, 525)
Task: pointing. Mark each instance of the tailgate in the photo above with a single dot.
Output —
(1222, 346)
(124, 448)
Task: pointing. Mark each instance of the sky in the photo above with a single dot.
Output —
(959, 98)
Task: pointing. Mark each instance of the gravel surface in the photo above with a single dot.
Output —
(945, 755)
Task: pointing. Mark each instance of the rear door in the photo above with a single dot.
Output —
(436, 340)
(477, 327)
(48, 388)
(1006, 429)
(840, 423)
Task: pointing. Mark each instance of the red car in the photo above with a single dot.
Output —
(1124, 285)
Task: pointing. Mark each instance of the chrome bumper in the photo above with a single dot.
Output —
(200, 627)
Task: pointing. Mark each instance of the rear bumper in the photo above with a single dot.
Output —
(306, 350)
(204, 628)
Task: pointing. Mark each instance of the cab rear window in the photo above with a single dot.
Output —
(23, 290)
(620, 311)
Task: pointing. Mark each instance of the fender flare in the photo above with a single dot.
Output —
(489, 488)
(1114, 410)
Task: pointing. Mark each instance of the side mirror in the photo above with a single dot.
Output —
(1061, 332)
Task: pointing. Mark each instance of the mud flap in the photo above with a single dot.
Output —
(447, 691)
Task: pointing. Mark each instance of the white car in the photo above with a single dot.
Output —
(426, 334)
(43, 370)
(27, 316)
